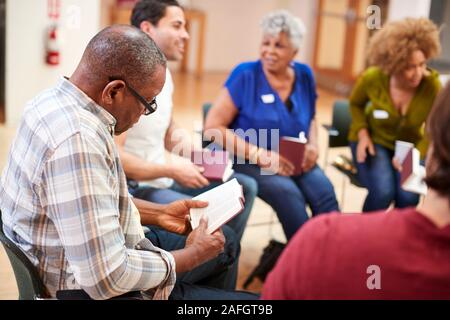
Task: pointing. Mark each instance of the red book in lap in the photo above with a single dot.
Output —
(217, 164)
(412, 175)
(293, 149)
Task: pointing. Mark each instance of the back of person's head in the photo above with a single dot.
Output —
(438, 164)
(151, 11)
(121, 51)
(283, 21)
(391, 47)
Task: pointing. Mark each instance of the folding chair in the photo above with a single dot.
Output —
(337, 138)
(27, 277)
(29, 282)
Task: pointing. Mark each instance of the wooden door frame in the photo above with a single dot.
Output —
(349, 43)
(345, 75)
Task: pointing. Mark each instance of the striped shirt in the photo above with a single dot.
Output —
(65, 202)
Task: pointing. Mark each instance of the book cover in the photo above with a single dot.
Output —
(225, 202)
(401, 150)
(412, 175)
(407, 166)
(216, 164)
(293, 149)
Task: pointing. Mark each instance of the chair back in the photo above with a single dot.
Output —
(341, 124)
(27, 277)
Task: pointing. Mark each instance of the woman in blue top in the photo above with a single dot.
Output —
(263, 101)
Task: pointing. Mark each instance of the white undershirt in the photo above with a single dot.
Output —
(146, 138)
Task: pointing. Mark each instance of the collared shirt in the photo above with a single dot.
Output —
(146, 138)
(64, 201)
(261, 108)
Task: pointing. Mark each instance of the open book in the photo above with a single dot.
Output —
(293, 149)
(225, 202)
(217, 164)
(413, 174)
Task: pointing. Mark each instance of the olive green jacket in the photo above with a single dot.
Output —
(371, 107)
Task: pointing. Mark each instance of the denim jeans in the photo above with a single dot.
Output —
(187, 291)
(382, 181)
(238, 224)
(213, 280)
(288, 196)
(217, 273)
(178, 192)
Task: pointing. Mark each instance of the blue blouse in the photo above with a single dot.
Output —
(260, 107)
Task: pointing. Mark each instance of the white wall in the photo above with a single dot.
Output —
(26, 72)
(233, 33)
(399, 9)
(446, 34)
(307, 11)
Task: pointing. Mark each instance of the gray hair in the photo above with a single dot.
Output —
(283, 21)
(124, 52)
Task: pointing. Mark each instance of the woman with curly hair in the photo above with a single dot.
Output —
(391, 101)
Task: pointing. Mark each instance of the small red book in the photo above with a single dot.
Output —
(412, 175)
(217, 164)
(293, 149)
(407, 166)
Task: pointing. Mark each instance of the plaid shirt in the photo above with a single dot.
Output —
(65, 202)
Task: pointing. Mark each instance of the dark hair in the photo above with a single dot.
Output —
(438, 170)
(151, 10)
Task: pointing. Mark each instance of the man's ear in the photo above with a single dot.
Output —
(148, 28)
(113, 92)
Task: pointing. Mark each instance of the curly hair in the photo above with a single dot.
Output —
(438, 170)
(391, 47)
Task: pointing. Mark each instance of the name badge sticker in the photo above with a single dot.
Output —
(380, 114)
(268, 98)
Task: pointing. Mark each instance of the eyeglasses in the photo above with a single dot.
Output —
(150, 107)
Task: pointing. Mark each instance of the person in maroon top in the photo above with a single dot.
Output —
(403, 254)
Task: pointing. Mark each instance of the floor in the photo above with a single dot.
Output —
(190, 94)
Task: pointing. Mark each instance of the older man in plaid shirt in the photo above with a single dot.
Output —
(63, 192)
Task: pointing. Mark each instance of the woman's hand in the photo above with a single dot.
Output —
(310, 157)
(272, 161)
(365, 145)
